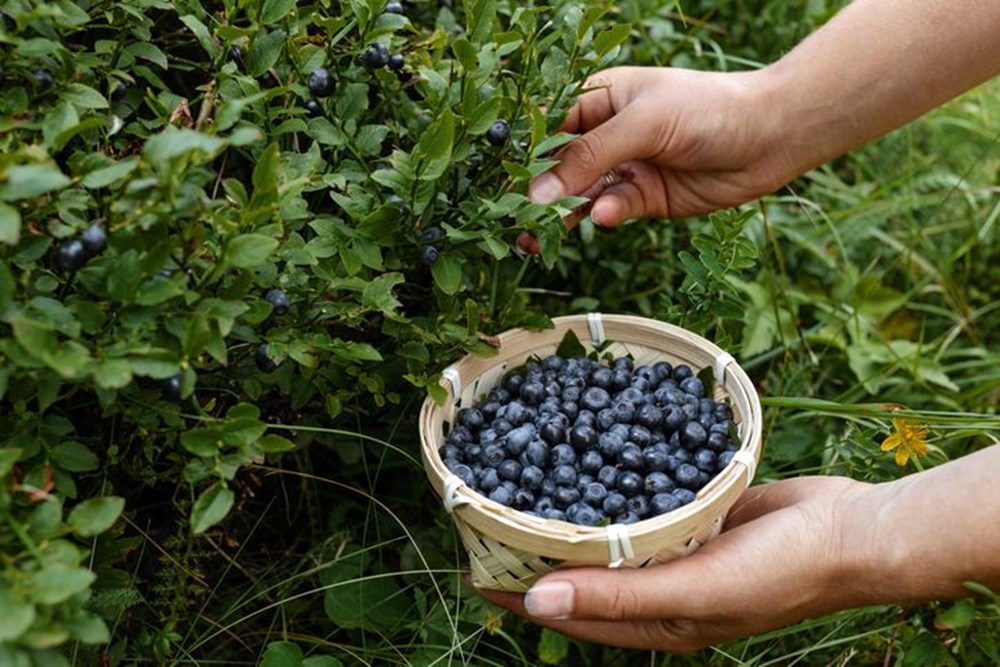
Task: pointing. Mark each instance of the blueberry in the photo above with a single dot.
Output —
(512, 382)
(693, 435)
(655, 458)
(278, 300)
(723, 412)
(537, 453)
(687, 476)
(313, 107)
(658, 482)
(717, 442)
(502, 495)
(601, 377)
(236, 53)
(553, 432)
(681, 372)
(591, 461)
(594, 494)
(640, 435)
(493, 455)
(620, 379)
(553, 362)
(548, 487)
(170, 388)
(724, 459)
(630, 457)
(583, 479)
(515, 413)
(523, 499)
(320, 82)
(543, 503)
(265, 363)
(532, 477)
(498, 134)
(449, 451)
(564, 475)
(609, 445)
(662, 503)
(628, 517)
(489, 479)
(571, 393)
(639, 505)
(376, 56)
(118, 92)
(673, 419)
(624, 363)
(509, 470)
(429, 254)
(614, 503)
(564, 496)
(71, 255)
(605, 419)
(554, 513)
(685, 496)
(518, 439)
(431, 235)
(396, 62)
(649, 416)
(393, 7)
(608, 476)
(569, 408)
(663, 369)
(705, 460)
(630, 483)
(562, 454)
(471, 418)
(624, 411)
(585, 516)
(44, 81)
(692, 386)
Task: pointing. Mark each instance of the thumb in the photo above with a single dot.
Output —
(586, 159)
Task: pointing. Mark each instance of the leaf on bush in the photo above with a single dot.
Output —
(105, 176)
(113, 373)
(8, 457)
(173, 142)
(74, 457)
(157, 290)
(18, 615)
(272, 11)
(57, 583)
(10, 232)
(447, 272)
(203, 441)
(264, 51)
(281, 654)
(83, 96)
(145, 50)
(87, 627)
(611, 37)
(553, 648)
(27, 181)
(211, 507)
(273, 444)
(378, 295)
(434, 147)
(96, 515)
(201, 33)
(249, 250)
(958, 615)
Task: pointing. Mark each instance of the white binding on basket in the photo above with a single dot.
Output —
(452, 484)
(721, 362)
(596, 324)
(748, 460)
(452, 376)
(619, 545)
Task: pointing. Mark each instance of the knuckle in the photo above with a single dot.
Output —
(623, 603)
(586, 154)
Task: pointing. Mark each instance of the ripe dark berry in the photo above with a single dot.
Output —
(586, 516)
(630, 457)
(498, 134)
(657, 482)
(264, 362)
(488, 479)
(724, 459)
(537, 453)
(313, 107)
(562, 454)
(375, 56)
(320, 82)
(608, 476)
(170, 388)
(71, 255)
(564, 496)
(431, 235)
(630, 483)
(471, 418)
(681, 373)
(687, 476)
(393, 7)
(95, 240)
(396, 62)
(564, 475)
(591, 461)
(662, 503)
(501, 495)
(118, 91)
(44, 81)
(523, 499)
(278, 300)
(429, 255)
(705, 460)
(594, 494)
(693, 435)
(614, 504)
(693, 386)
(595, 399)
(639, 505)
(685, 496)
(532, 392)
(532, 477)
(510, 470)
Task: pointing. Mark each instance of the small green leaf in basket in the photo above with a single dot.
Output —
(570, 346)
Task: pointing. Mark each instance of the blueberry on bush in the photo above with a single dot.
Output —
(498, 134)
(396, 62)
(71, 255)
(44, 81)
(265, 363)
(278, 300)
(429, 255)
(393, 7)
(94, 239)
(376, 56)
(170, 388)
(320, 82)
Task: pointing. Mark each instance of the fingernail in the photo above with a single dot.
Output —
(552, 599)
(546, 188)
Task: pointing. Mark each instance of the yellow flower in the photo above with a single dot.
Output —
(908, 439)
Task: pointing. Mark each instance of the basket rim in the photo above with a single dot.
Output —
(561, 539)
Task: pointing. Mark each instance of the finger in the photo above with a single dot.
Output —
(526, 242)
(641, 194)
(592, 107)
(584, 160)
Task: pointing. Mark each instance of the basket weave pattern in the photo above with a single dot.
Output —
(508, 549)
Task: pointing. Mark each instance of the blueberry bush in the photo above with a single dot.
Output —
(240, 240)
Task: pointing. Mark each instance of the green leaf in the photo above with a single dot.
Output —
(87, 627)
(447, 272)
(84, 96)
(57, 583)
(553, 648)
(74, 457)
(281, 654)
(611, 37)
(158, 290)
(273, 444)
(203, 441)
(27, 181)
(959, 615)
(570, 346)
(264, 51)
(435, 145)
(113, 374)
(10, 228)
(272, 11)
(173, 142)
(18, 615)
(105, 176)
(249, 250)
(96, 515)
(211, 507)
(201, 33)
(8, 457)
(923, 650)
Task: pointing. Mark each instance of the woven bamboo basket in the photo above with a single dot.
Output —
(508, 549)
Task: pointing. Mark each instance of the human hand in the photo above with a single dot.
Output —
(675, 143)
(789, 550)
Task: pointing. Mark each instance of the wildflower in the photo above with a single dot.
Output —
(908, 439)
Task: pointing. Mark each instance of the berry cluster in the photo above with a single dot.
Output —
(74, 253)
(590, 443)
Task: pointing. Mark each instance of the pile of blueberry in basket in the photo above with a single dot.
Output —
(582, 441)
